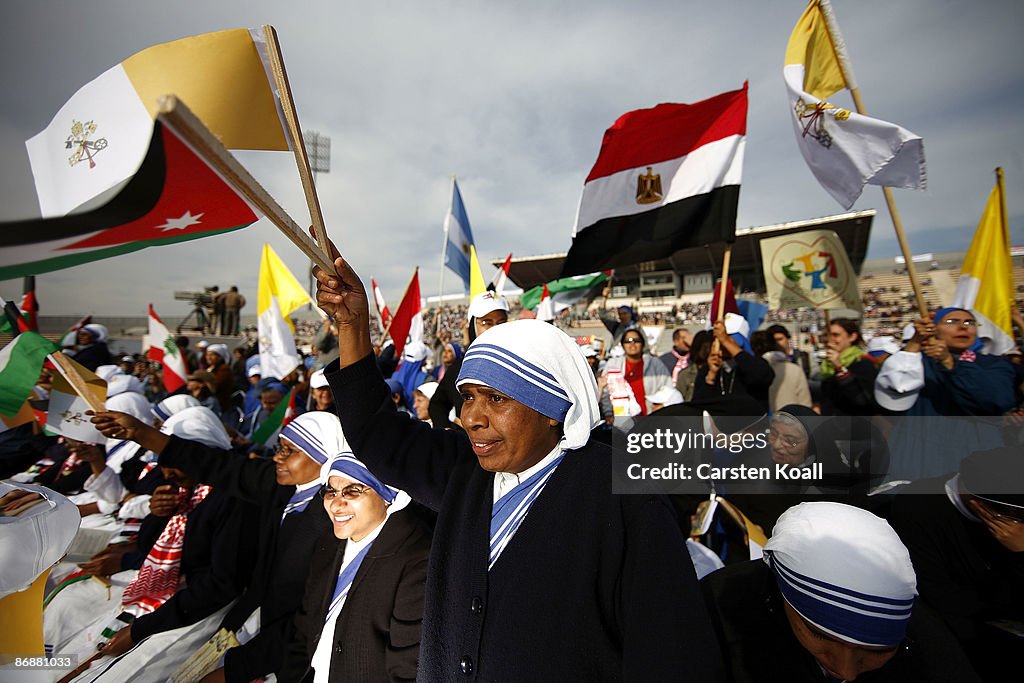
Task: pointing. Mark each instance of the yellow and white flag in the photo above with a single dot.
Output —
(986, 278)
(100, 136)
(843, 149)
(809, 269)
(278, 295)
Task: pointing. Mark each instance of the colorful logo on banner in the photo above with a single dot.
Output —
(809, 269)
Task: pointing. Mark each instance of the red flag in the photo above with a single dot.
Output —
(382, 307)
(730, 301)
(546, 307)
(407, 323)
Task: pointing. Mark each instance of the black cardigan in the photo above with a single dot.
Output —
(593, 587)
(758, 644)
(377, 635)
(282, 562)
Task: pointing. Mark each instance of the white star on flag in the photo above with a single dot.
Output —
(187, 220)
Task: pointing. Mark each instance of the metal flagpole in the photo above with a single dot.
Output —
(444, 255)
(851, 82)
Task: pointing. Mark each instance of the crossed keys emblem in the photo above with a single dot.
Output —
(813, 118)
(83, 147)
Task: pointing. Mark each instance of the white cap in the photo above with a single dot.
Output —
(428, 389)
(415, 351)
(317, 380)
(588, 350)
(884, 344)
(255, 370)
(485, 302)
(666, 396)
(202, 343)
(909, 331)
(736, 324)
(899, 365)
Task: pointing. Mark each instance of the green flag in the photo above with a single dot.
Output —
(565, 291)
(272, 425)
(20, 364)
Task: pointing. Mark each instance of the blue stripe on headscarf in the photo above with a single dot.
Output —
(858, 616)
(354, 469)
(295, 432)
(943, 312)
(516, 377)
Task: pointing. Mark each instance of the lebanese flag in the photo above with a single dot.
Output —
(382, 307)
(175, 196)
(163, 350)
(666, 178)
(407, 323)
(498, 282)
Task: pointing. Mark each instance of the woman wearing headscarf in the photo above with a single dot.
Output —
(284, 489)
(450, 356)
(632, 378)
(193, 558)
(625, 319)
(361, 615)
(528, 535)
(832, 600)
(421, 400)
(218, 363)
(92, 350)
(941, 373)
(486, 310)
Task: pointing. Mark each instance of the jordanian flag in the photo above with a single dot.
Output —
(175, 196)
(666, 179)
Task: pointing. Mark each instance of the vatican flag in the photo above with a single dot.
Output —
(279, 295)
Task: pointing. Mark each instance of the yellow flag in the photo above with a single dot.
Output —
(276, 281)
(279, 294)
(986, 278)
(810, 45)
(476, 278)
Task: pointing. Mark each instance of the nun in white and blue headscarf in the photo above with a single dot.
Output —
(539, 366)
(845, 571)
(377, 502)
(318, 437)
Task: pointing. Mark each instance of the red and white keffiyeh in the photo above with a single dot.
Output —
(160, 575)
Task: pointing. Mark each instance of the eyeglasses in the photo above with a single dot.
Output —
(787, 441)
(285, 451)
(632, 341)
(350, 492)
(961, 323)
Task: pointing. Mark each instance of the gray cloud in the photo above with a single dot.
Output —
(514, 100)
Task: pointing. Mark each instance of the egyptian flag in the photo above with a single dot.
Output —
(175, 196)
(666, 179)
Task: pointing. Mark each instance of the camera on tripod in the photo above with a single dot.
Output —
(198, 317)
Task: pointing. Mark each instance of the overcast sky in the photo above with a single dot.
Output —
(513, 99)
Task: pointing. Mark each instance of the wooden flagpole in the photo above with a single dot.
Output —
(174, 113)
(291, 119)
(726, 259)
(69, 372)
(851, 82)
